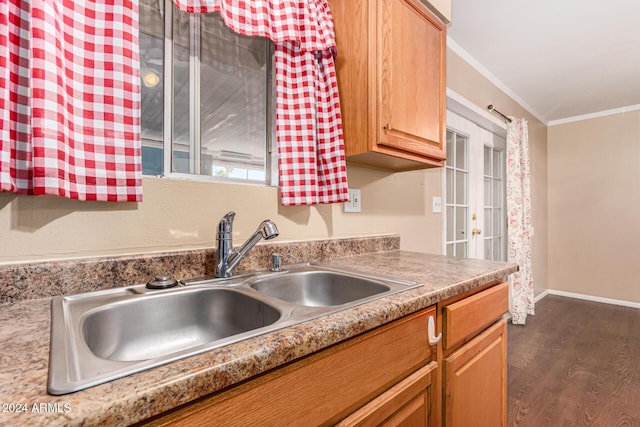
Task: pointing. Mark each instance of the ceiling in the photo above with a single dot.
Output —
(558, 59)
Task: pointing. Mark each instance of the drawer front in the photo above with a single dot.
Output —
(463, 319)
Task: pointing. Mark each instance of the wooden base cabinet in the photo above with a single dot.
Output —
(384, 375)
(391, 76)
(406, 404)
(475, 381)
(474, 359)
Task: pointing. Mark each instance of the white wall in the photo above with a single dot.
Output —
(184, 214)
(594, 207)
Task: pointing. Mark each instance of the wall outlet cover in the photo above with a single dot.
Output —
(355, 201)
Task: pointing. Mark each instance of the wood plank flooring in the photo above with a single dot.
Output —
(575, 363)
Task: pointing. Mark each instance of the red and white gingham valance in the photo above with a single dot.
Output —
(70, 99)
(311, 158)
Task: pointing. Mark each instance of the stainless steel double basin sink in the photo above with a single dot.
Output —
(100, 336)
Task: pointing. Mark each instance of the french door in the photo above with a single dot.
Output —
(475, 225)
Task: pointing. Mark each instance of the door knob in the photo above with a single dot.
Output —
(476, 231)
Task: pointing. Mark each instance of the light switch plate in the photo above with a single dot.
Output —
(436, 204)
(355, 201)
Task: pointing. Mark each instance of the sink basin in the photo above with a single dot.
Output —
(141, 329)
(319, 288)
(100, 336)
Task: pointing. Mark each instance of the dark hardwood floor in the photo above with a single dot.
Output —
(575, 363)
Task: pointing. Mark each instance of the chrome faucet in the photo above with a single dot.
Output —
(226, 258)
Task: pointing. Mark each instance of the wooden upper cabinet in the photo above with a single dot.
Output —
(391, 77)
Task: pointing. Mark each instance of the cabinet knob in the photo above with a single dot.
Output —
(431, 331)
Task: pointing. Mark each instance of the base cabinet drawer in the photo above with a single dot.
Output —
(466, 318)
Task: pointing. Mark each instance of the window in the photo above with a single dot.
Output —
(207, 103)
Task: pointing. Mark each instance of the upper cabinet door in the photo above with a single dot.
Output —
(391, 76)
(411, 68)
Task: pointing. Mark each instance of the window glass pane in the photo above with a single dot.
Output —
(151, 41)
(221, 92)
(181, 93)
(233, 101)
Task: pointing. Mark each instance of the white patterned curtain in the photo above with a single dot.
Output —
(521, 295)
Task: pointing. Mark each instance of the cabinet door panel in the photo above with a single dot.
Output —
(322, 388)
(475, 381)
(411, 64)
(405, 404)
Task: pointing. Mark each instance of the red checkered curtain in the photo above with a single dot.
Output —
(70, 99)
(311, 158)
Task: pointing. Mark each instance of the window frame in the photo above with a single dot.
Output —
(270, 150)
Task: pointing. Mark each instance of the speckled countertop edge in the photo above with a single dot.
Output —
(24, 339)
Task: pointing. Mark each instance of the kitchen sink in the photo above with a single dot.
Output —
(100, 336)
(319, 288)
(147, 328)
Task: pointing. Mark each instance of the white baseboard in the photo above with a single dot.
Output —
(541, 295)
(587, 298)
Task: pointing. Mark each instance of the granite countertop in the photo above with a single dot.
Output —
(24, 340)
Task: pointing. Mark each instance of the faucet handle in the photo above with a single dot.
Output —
(226, 225)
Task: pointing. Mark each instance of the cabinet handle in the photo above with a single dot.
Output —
(431, 331)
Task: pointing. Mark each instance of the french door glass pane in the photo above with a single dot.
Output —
(493, 204)
(461, 223)
(450, 249)
(457, 195)
(487, 191)
(497, 192)
(450, 141)
(497, 249)
(461, 152)
(497, 164)
(450, 185)
(450, 223)
(461, 187)
(488, 248)
(487, 222)
(461, 249)
(487, 161)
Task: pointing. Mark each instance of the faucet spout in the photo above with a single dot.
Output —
(226, 258)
